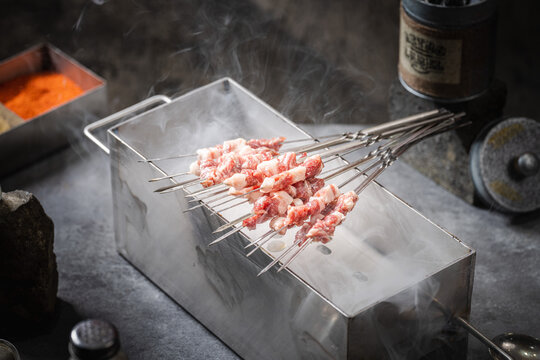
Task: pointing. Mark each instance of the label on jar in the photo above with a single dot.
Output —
(429, 58)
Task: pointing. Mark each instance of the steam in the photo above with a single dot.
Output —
(377, 252)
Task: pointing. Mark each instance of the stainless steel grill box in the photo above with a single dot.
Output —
(37, 137)
(372, 297)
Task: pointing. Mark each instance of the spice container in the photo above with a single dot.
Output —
(447, 48)
(8, 119)
(57, 124)
(95, 339)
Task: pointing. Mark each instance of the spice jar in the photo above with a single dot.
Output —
(447, 48)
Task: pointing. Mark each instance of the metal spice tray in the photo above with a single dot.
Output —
(32, 139)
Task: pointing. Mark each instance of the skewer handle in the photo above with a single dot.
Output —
(401, 122)
(477, 334)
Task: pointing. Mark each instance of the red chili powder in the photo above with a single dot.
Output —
(33, 94)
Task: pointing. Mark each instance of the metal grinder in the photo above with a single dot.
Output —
(505, 165)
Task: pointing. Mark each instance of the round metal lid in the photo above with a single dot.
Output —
(469, 13)
(8, 351)
(505, 165)
(94, 339)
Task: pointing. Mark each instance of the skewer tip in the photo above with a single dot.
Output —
(262, 272)
(193, 208)
(223, 237)
(252, 251)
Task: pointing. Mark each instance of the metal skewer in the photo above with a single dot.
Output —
(384, 129)
(208, 195)
(295, 255)
(386, 160)
(275, 232)
(398, 136)
(179, 156)
(381, 151)
(169, 176)
(276, 260)
(314, 139)
(363, 141)
(331, 152)
(230, 207)
(269, 232)
(261, 243)
(173, 187)
(223, 237)
(216, 205)
(205, 191)
(168, 157)
(234, 222)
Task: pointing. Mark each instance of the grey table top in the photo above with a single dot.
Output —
(94, 281)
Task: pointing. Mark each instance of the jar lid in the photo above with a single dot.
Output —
(94, 339)
(505, 165)
(470, 13)
(8, 351)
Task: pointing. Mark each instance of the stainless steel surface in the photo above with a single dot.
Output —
(109, 120)
(519, 346)
(8, 119)
(35, 138)
(360, 299)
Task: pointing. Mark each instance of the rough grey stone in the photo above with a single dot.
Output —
(28, 275)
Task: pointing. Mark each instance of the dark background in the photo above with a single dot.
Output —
(315, 61)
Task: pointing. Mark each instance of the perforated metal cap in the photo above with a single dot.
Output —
(94, 339)
(505, 165)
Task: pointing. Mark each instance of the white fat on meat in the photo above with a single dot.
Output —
(349, 203)
(297, 202)
(297, 174)
(194, 168)
(237, 181)
(268, 167)
(245, 150)
(208, 154)
(267, 185)
(337, 218)
(328, 193)
(277, 223)
(233, 145)
(284, 200)
(253, 196)
(291, 190)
